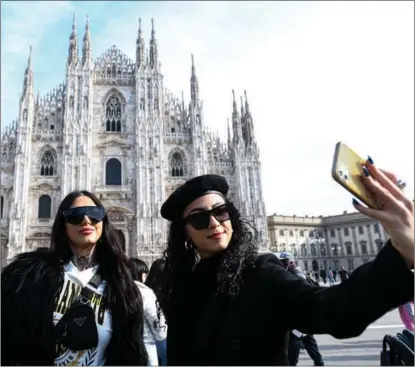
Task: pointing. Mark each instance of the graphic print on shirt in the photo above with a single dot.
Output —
(66, 357)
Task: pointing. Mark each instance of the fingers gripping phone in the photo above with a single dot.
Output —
(347, 171)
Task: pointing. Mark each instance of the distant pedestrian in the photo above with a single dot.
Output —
(343, 274)
(155, 328)
(154, 281)
(335, 275)
(298, 340)
(317, 276)
(323, 274)
(330, 276)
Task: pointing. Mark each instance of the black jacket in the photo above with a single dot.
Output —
(206, 329)
(29, 287)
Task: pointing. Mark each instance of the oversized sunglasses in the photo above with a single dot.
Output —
(201, 220)
(76, 216)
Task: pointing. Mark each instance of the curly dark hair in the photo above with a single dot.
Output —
(124, 297)
(181, 258)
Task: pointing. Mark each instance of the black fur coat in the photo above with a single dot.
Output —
(29, 286)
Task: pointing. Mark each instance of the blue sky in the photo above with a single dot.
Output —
(315, 72)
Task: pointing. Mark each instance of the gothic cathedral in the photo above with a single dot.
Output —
(112, 128)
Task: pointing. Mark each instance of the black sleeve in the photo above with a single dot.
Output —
(345, 310)
(27, 304)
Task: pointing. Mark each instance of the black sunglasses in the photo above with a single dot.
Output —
(76, 216)
(201, 220)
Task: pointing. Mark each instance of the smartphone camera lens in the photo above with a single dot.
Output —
(343, 174)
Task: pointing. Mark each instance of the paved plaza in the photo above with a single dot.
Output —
(363, 350)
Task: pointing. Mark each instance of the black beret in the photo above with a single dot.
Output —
(196, 187)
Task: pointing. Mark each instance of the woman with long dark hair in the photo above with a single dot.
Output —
(154, 280)
(139, 269)
(154, 277)
(225, 305)
(155, 328)
(77, 304)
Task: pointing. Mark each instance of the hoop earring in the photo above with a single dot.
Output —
(189, 245)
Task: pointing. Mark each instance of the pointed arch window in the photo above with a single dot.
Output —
(113, 114)
(149, 86)
(113, 174)
(45, 207)
(58, 115)
(47, 164)
(177, 165)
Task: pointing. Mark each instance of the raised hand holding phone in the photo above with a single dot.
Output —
(396, 211)
(380, 191)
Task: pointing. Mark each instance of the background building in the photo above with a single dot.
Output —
(349, 239)
(112, 128)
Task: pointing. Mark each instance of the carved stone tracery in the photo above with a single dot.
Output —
(116, 216)
(113, 114)
(168, 122)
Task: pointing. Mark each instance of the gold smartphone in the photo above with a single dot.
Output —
(347, 171)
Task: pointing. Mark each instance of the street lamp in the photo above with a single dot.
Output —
(273, 247)
(320, 240)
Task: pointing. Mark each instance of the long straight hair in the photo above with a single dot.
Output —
(124, 298)
(155, 275)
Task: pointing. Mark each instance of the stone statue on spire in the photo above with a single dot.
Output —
(140, 46)
(86, 48)
(73, 45)
(194, 84)
(153, 48)
(28, 75)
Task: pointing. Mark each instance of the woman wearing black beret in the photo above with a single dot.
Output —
(225, 305)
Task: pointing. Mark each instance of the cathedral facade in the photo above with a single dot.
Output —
(113, 129)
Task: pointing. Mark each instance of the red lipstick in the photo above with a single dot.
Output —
(216, 236)
(86, 231)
